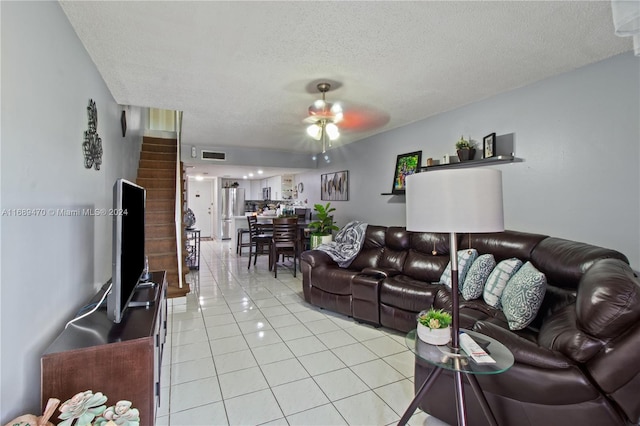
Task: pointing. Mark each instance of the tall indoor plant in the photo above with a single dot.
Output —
(323, 226)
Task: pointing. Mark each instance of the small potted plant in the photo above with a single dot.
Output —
(466, 149)
(434, 326)
(323, 226)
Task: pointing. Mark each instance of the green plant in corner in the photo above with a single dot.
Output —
(435, 318)
(324, 224)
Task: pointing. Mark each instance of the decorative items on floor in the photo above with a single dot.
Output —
(466, 149)
(84, 409)
(92, 145)
(434, 326)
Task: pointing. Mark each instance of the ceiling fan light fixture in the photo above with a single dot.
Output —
(315, 131)
(332, 131)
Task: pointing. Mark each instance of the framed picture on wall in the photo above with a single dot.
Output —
(489, 145)
(406, 164)
(334, 186)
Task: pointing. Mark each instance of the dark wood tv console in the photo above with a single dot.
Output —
(122, 360)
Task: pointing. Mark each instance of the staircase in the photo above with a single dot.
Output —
(157, 174)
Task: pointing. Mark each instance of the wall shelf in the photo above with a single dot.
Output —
(498, 159)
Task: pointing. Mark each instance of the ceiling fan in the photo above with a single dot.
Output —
(323, 117)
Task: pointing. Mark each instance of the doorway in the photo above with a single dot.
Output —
(200, 201)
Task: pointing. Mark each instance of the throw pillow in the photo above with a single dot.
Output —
(498, 279)
(477, 276)
(523, 296)
(465, 260)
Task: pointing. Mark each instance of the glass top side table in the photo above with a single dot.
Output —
(443, 358)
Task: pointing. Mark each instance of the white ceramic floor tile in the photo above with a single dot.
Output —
(340, 384)
(334, 339)
(364, 332)
(321, 362)
(321, 326)
(272, 353)
(281, 372)
(253, 408)
(292, 332)
(325, 415)
(267, 302)
(234, 361)
(255, 325)
(377, 373)
(190, 352)
(222, 331)
(384, 346)
(222, 319)
(366, 409)
(192, 370)
(404, 362)
(308, 316)
(242, 382)
(262, 338)
(306, 346)
(299, 396)
(354, 354)
(248, 315)
(397, 395)
(274, 311)
(194, 394)
(283, 320)
(206, 415)
(189, 336)
(228, 344)
(420, 418)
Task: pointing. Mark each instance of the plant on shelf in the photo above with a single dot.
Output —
(466, 149)
(434, 326)
(323, 226)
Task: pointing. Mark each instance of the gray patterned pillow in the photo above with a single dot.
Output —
(465, 259)
(523, 296)
(477, 276)
(498, 280)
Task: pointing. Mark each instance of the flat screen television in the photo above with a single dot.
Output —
(128, 260)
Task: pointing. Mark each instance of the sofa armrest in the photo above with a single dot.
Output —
(317, 258)
(385, 273)
(524, 351)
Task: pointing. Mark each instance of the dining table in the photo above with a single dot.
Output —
(265, 221)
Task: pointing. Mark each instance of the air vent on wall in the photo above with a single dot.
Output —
(212, 155)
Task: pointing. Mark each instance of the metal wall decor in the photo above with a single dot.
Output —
(334, 186)
(92, 145)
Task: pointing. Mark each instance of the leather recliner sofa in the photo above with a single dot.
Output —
(578, 362)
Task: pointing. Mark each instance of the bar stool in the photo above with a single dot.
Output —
(240, 240)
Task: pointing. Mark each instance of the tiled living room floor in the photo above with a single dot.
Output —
(244, 348)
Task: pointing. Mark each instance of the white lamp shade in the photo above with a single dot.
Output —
(455, 200)
(314, 131)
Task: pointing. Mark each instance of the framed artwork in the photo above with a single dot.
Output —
(334, 186)
(489, 145)
(406, 164)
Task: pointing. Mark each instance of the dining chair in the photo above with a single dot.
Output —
(258, 240)
(303, 214)
(284, 242)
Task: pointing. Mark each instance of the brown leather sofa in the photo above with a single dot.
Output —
(577, 363)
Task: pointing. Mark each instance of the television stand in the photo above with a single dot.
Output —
(144, 295)
(123, 360)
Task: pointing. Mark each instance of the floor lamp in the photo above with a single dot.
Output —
(455, 201)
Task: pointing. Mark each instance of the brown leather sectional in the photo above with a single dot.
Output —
(577, 363)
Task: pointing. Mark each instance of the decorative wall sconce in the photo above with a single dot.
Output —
(92, 145)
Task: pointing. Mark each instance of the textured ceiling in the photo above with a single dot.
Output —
(244, 73)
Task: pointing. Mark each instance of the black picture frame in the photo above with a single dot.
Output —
(334, 186)
(406, 164)
(489, 146)
(123, 123)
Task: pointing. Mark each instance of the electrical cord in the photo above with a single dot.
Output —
(104, 296)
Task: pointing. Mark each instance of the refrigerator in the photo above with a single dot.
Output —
(232, 205)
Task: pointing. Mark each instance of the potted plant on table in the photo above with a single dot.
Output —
(466, 149)
(323, 226)
(434, 326)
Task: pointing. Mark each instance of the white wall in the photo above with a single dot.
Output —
(51, 265)
(579, 136)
